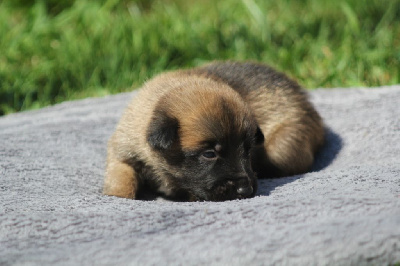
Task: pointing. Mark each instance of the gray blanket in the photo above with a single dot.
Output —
(345, 212)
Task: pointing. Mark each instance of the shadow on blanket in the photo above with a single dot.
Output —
(330, 150)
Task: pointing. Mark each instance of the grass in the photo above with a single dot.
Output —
(57, 50)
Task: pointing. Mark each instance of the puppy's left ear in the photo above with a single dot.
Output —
(259, 137)
(162, 131)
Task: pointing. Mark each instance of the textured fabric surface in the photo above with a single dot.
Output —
(345, 212)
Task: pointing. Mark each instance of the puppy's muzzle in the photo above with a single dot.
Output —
(244, 187)
(245, 191)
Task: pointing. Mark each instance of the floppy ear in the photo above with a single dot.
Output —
(162, 131)
(259, 137)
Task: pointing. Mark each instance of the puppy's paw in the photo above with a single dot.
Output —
(120, 180)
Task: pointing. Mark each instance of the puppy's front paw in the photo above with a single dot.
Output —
(120, 180)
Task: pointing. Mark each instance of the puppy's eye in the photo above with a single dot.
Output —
(209, 154)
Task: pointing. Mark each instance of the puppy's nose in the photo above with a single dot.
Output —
(245, 191)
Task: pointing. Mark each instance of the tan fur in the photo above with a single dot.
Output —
(121, 178)
(292, 128)
(291, 137)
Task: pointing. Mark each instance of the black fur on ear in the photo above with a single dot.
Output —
(162, 131)
(259, 137)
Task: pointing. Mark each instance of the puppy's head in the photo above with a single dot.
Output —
(204, 132)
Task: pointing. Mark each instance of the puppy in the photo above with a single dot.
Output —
(208, 132)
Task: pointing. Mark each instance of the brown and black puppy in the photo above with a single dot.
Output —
(207, 133)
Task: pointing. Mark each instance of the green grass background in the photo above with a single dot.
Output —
(57, 50)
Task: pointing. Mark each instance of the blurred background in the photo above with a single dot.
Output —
(57, 50)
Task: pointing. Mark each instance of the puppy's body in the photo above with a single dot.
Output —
(201, 134)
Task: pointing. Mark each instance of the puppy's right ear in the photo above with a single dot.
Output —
(162, 131)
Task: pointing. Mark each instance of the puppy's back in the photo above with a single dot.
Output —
(247, 76)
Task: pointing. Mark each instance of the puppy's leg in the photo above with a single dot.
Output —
(290, 150)
(120, 180)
